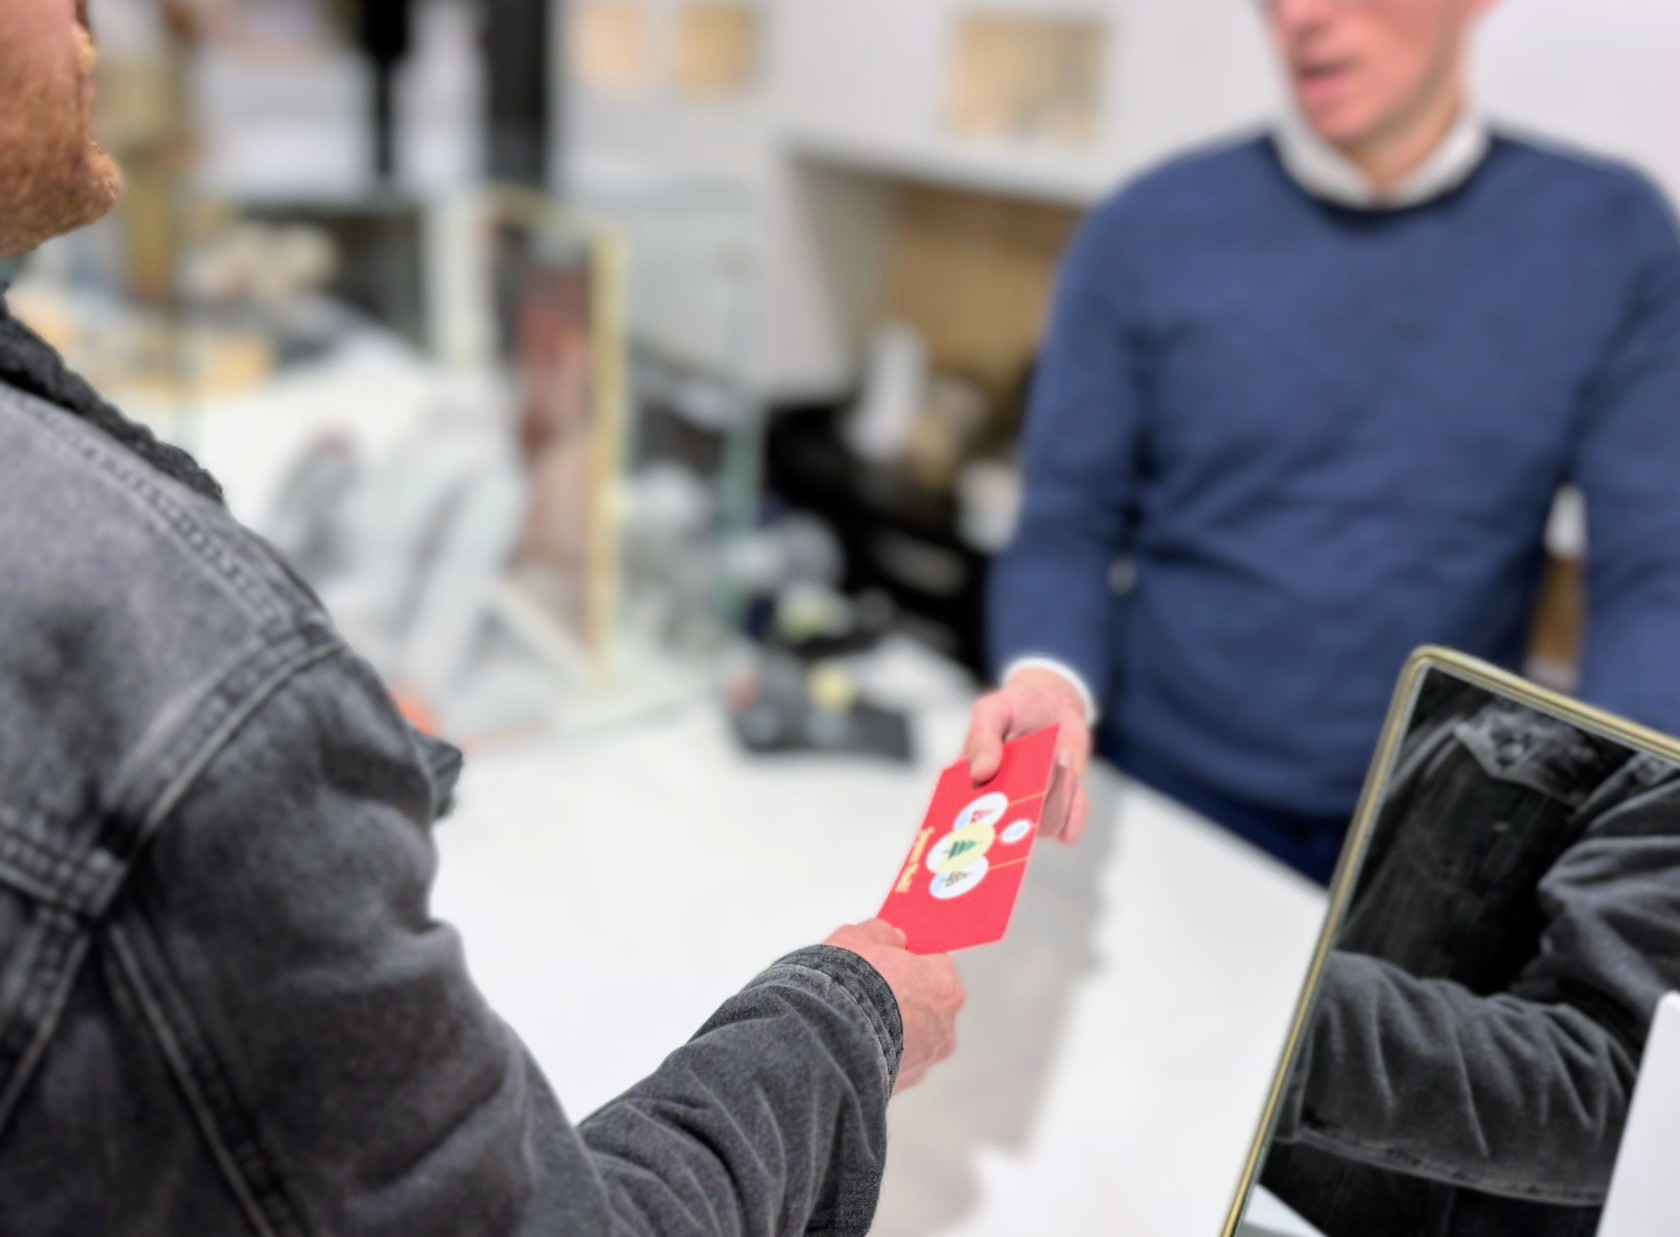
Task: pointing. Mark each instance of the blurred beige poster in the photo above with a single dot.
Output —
(611, 46)
(717, 50)
(1028, 79)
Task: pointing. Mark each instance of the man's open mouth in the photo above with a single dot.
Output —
(1323, 71)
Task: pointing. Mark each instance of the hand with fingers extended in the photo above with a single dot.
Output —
(1035, 699)
(929, 993)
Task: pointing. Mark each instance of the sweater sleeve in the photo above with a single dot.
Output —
(1628, 465)
(1049, 594)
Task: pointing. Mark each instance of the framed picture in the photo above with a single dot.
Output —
(556, 295)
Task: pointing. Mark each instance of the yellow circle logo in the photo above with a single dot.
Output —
(961, 849)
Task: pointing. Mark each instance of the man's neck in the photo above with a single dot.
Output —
(1388, 159)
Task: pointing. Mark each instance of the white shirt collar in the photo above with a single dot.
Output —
(1325, 172)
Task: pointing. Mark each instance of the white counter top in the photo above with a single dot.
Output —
(1116, 1048)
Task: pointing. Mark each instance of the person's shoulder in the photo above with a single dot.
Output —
(1153, 214)
(96, 518)
(1590, 187)
(1210, 176)
(1234, 161)
(134, 612)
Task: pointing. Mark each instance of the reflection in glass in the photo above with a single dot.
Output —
(1480, 1023)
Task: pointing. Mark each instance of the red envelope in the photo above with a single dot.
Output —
(959, 885)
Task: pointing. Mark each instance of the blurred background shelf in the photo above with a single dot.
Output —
(991, 169)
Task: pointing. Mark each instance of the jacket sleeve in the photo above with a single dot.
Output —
(1049, 594)
(348, 1077)
(772, 1120)
(1627, 465)
(1523, 1093)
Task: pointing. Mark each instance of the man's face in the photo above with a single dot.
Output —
(53, 178)
(1361, 69)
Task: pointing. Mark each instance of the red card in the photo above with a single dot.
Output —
(959, 885)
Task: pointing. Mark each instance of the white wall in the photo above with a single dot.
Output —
(852, 102)
(1603, 74)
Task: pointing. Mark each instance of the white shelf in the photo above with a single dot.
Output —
(1064, 178)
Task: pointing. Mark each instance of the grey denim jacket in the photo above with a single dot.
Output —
(225, 1006)
(1480, 1028)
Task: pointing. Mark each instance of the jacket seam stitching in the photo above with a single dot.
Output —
(204, 1110)
(38, 870)
(196, 746)
(1324, 1137)
(85, 883)
(221, 565)
(65, 956)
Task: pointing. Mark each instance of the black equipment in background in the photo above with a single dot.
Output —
(519, 39)
(518, 42)
(385, 30)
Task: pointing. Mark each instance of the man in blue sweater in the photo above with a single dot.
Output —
(1315, 393)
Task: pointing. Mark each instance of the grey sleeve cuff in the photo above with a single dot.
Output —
(847, 979)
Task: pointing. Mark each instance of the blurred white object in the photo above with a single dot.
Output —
(797, 550)
(811, 553)
(666, 503)
(1643, 1201)
(397, 521)
(306, 524)
(129, 27)
(669, 560)
(411, 563)
(465, 565)
(441, 94)
(903, 673)
(809, 611)
(988, 505)
(1268, 1217)
(263, 265)
(1566, 533)
(895, 386)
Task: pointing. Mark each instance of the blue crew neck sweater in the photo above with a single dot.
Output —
(1322, 437)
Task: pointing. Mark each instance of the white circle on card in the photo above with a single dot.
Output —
(986, 810)
(950, 885)
(1017, 832)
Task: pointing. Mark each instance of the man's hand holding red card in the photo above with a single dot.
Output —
(1035, 699)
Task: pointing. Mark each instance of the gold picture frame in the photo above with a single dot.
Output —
(588, 612)
(1420, 664)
